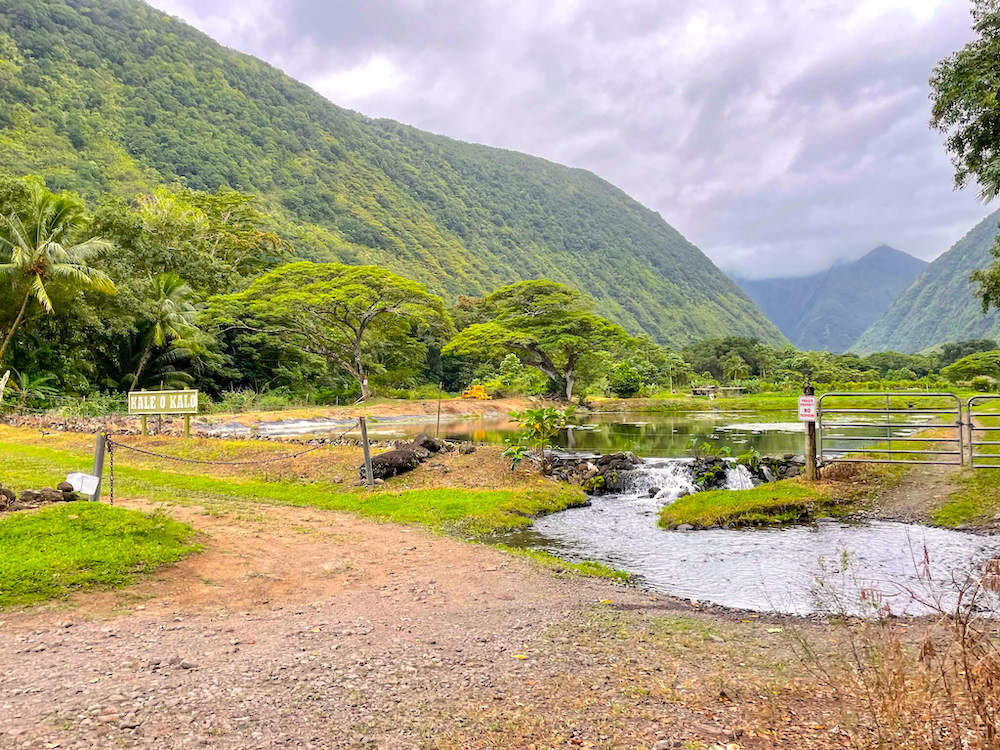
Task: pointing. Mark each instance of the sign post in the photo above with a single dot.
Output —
(807, 414)
(144, 403)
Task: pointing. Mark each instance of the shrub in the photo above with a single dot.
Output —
(984, 384)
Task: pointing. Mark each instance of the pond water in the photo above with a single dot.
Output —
(646, 434)
(791, 569)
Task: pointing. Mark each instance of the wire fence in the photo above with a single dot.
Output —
(111, 445)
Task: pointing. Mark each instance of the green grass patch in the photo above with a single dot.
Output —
(781, 502)
(975, 503)
(82, 545)
(561, 568)
(470, 512)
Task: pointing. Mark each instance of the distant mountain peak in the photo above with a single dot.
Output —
(830, 309)
(941, 305)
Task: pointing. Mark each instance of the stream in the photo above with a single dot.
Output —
(798, 569)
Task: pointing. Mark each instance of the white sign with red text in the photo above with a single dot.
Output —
(807, 408)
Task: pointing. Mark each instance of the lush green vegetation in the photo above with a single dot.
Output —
(471, 511)
(940, 305)
(830, 309)
(780, 502)
(114, 99)
(73, 546)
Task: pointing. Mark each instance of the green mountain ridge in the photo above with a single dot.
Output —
(830, 309)
(112, 96)
(940, 305)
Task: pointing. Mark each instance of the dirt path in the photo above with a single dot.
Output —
(303, 628)
(919, 491)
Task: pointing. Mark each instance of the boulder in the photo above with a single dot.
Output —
(466, 448)
(8, 494)
(398, 461)
(65, 487)
(428, 443)
(34, 498)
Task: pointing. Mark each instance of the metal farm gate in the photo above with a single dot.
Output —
(983, 439)
(911, 428)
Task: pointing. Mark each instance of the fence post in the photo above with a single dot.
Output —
(810, 440)
(437, 430)
(369, 475)
(99, 446)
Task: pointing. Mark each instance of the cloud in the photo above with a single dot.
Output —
(778, 135)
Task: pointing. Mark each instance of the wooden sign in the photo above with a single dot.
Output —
(162, 402)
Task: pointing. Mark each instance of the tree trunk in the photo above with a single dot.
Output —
(143, 361)
(14, 326)
(569, 385)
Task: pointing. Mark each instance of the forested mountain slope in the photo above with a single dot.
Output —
(829, 310)
(941, 305)
(112, 96)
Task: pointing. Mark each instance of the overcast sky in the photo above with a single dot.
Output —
(777, 135)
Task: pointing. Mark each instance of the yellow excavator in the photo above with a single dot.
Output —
(477, 391)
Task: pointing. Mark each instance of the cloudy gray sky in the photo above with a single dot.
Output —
(777, 135)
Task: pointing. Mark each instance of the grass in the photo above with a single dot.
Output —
(781, 502)
(975, 503)
(472, 512)
(563, 568)
(83, 545)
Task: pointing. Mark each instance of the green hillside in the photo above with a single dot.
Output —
(940, 306)
(828, 310)
(113, 96)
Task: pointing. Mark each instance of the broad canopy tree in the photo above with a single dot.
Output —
(358, 318)
(965, 91)
(547, 325)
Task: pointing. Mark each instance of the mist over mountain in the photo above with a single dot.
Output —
(940, 305)
(829, 310)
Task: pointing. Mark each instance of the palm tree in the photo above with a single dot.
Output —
(39, 255)
(170, 319)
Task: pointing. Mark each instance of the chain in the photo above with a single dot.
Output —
(255, 462)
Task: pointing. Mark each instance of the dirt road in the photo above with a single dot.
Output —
(303, 628)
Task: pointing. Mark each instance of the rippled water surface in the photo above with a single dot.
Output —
(769, 569)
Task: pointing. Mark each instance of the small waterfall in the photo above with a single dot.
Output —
(670, 479)
(738, 477)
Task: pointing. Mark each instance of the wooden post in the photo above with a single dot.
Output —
(142, 424)
(437, 430)
(99, 446)
(187, 425)
(810, 441)
(369, 476)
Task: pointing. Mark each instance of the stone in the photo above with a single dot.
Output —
(683, 527)
(466, 448)
(338, 479)
(393, 463)
(654, 491)
(428, 443)
(65, 487)
(8, 494)
(768, 474)
(40, 497)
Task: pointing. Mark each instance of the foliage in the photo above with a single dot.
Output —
(547, 325)
(82, 545)
(116, 97)
(539, 428)
(980, 363)
(624, 380)
(984, 384)
(362, 319)
(707, 450)
(39, 250)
